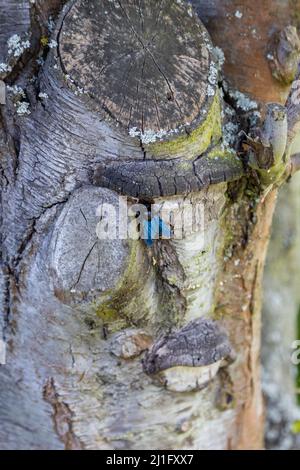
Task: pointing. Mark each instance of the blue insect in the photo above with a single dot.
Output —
(155, 228)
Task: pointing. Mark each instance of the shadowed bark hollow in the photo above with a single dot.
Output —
(126, 98)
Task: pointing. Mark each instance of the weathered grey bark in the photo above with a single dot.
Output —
(80, 312)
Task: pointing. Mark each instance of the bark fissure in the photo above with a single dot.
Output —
(62, 417)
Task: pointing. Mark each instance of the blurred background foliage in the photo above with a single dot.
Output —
(281, 322)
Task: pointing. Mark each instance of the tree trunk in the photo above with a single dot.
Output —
(126, 99)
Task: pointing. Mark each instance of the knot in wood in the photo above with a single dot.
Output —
(147, 64)
(284, 54)
(200, 343)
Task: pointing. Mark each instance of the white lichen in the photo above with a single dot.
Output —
(52, 44)
(22, 108)
(229, 112)
(238, 14)
(219, 56)
(79, 91)
(230, 131)
(16, 91)
(16, 46)
(5, 68)
(210, 91)
(19, 99)
(254, 119)
(213, 74)
(243, 101)
(150, 136)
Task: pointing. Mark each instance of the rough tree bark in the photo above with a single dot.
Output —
(127, 98)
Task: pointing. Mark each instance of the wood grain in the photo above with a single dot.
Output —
(146, 62)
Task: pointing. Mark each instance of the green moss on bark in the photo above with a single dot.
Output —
(197, 141)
